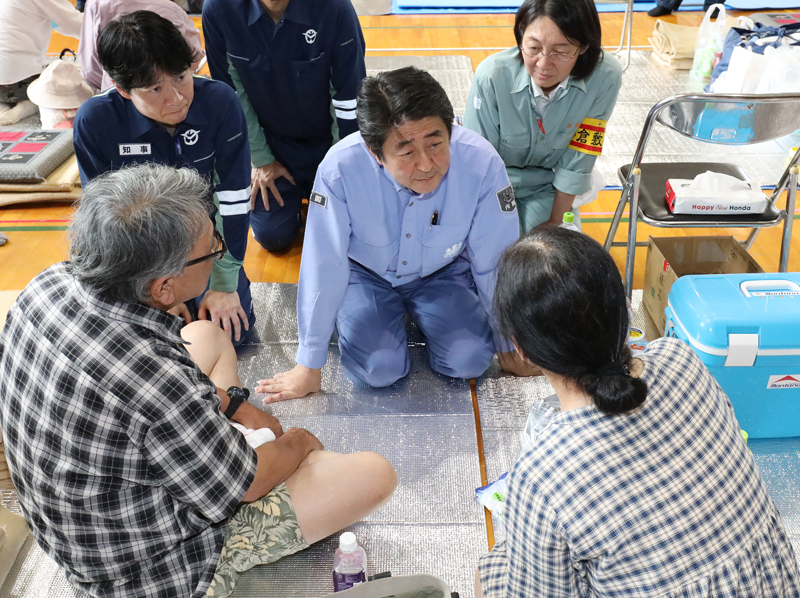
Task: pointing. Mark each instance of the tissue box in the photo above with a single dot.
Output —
(683, 199)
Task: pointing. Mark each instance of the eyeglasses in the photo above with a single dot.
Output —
(217, 255)
(533, 52)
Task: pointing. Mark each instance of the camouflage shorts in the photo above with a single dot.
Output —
(260, 532)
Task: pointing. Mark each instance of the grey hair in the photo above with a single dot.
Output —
(135, 225)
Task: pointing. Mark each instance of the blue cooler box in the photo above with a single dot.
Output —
(746, 329)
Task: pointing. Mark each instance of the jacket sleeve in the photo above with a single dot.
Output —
(91, 161)
(492, 230)
(347, 69)
(232, 194)
(324, 271)
(573, 173)
(66, 17)
(482, 114)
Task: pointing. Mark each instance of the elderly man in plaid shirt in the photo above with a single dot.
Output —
(117, 428)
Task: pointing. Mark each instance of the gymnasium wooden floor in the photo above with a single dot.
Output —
(37, 235)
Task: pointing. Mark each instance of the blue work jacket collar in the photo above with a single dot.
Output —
(522, 81)
(140, 124)
(296, 11)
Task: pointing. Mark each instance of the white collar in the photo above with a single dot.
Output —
(538, 93)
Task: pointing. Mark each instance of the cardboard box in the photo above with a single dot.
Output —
(669, 258)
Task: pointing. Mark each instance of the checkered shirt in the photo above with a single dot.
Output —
(124, 466)
(663, 501)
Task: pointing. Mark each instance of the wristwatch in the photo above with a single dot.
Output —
(236, 396)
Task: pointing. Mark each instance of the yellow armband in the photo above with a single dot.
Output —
(589, 136)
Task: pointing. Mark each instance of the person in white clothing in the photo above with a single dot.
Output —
(25, 27)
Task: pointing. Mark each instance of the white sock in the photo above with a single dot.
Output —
(3, 239)
(18, 112)
(4, 107)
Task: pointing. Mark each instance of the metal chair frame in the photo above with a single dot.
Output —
(774, 116)
(627, 30)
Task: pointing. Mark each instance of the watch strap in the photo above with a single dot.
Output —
(236, 396)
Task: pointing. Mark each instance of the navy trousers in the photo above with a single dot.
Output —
(445, 306)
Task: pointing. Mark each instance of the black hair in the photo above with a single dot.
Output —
(560, 297)
(392, 98)
(138, 46)
(577, 20)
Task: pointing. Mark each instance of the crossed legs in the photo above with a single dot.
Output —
(329, 490)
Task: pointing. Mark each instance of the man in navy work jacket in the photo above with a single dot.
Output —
(409, 215)
(287, 59)
(159, 113)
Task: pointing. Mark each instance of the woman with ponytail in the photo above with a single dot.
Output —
(642, 484)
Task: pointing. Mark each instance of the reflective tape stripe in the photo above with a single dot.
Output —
(345, 104)
(233, 196)
(346, 114)
(234, 209)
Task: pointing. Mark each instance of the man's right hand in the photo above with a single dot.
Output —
(263, 178)
(312, 442)
(296, 383)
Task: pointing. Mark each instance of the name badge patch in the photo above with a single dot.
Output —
(134, 149)
(508, 202)
(318, 198)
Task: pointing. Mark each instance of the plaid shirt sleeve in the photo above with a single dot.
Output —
(537, 560)
(199, 457)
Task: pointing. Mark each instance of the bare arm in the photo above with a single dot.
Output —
(562, 202)
(279, 459)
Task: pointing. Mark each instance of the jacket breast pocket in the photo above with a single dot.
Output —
(514, 148)
(373, 248)
(311, 78)
(441, 245)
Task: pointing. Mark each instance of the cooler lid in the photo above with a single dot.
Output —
(756, 314)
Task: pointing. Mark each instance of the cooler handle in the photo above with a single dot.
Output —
(753, 286)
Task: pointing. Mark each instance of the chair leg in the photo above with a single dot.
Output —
(612, 231)
(789, 221)
(632, 223)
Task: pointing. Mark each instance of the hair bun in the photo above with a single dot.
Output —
(614, 391)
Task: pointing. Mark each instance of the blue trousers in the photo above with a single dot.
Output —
(246, 299)
(276, 229)
(445, 306)
(674, 5)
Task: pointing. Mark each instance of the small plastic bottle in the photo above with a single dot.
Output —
(568, 221)
(349, 564)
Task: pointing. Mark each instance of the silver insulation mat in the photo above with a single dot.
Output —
(423, 424)
(454, 73)
(643, 85)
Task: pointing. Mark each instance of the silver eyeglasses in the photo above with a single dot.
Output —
(533, 52)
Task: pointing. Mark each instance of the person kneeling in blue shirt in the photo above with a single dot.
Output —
(158, 112)
(410, 215)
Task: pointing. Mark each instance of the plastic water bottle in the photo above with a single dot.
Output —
(349, 564)
(568, 221)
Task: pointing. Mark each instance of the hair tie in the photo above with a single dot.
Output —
(614, 369)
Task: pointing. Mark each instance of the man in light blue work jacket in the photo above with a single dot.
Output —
(410, 215)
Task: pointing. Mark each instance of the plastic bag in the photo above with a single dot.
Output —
(710, 41)
(743, 74)
(782, 74)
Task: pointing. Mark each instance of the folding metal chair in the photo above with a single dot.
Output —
(627, 29)
(712, 118)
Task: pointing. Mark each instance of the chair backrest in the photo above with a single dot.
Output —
(727, 119)
(731, 119)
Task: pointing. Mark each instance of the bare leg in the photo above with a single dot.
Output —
(213, 352)
(478, 589)
(331, 491)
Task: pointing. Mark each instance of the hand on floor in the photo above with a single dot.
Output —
(296, 383)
